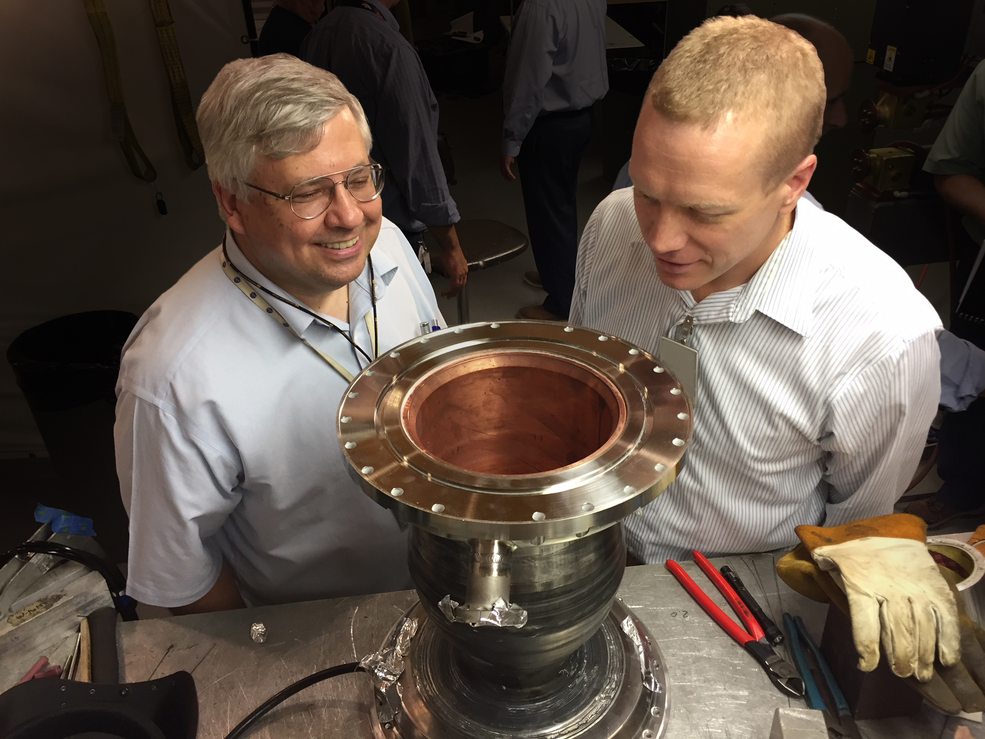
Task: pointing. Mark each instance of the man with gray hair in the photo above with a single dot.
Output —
(809, 356)
(227, 454)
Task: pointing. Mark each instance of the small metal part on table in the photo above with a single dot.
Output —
(258, 633)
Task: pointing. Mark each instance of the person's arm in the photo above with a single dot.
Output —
(453, 261)
(178, 490)
(957, 158)
(877, 428)
(962, 372)
(534, 41)
(407, 137)
(224, 596)
(963, 192)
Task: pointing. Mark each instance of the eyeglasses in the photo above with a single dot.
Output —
(311, 198)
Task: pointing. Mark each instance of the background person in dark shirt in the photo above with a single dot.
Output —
(360, 42)
(287, 25)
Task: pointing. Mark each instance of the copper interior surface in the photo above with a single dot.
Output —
(513, 413)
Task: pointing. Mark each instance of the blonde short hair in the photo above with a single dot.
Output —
(272, 106)
(754, 71)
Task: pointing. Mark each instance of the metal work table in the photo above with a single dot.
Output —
(716, 690)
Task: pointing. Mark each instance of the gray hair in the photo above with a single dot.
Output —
(273, 106)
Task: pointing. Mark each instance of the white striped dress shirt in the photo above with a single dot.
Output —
(818, 381)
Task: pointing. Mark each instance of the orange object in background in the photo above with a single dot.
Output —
(977, 539)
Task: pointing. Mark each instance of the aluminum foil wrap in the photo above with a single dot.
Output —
(386, 665)
(501, 614)
(650, 682)
(258, 633)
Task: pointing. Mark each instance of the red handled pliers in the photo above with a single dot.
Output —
(781, 673)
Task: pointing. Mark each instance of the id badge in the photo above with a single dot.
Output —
(683, 362)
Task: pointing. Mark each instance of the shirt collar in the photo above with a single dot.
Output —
(782, 288)
(385, 12)
(786, 291)
(360, 295)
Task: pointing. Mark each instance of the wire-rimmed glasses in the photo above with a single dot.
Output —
(311, 198)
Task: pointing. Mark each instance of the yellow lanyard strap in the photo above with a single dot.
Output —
(140, 165)
(181, 100)
(258, 300)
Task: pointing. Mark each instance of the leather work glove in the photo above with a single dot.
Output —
(952, 688)
(895, 592)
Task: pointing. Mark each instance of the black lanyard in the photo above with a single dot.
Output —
(376, 324)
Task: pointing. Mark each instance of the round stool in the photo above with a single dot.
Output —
(485, 244)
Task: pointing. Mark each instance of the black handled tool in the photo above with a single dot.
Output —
(773, 635)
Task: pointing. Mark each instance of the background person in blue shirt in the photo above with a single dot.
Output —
(555, 71)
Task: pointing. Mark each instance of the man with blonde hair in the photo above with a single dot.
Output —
(227, 454)
(810, 358)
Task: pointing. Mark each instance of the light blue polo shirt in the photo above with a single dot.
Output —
(226, 444)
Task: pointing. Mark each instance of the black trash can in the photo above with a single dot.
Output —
(67, 369)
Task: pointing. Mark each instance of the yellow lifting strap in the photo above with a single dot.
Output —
(140, 165)
(181, 101)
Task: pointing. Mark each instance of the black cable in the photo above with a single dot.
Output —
(293, 689)
(115, 581)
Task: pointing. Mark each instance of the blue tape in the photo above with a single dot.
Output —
(63, 522)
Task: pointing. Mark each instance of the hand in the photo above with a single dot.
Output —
(456, 269)
(958, 687)
(454, 265)
(506, 167)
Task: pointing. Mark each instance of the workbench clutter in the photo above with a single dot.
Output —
(59, 601)
(780, 672)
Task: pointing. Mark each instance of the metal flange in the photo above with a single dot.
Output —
(515, 430)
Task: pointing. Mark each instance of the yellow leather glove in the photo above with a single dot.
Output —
(896, 594)
(895, 591)
(951, 688)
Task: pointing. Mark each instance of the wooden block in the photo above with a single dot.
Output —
(84, 672)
